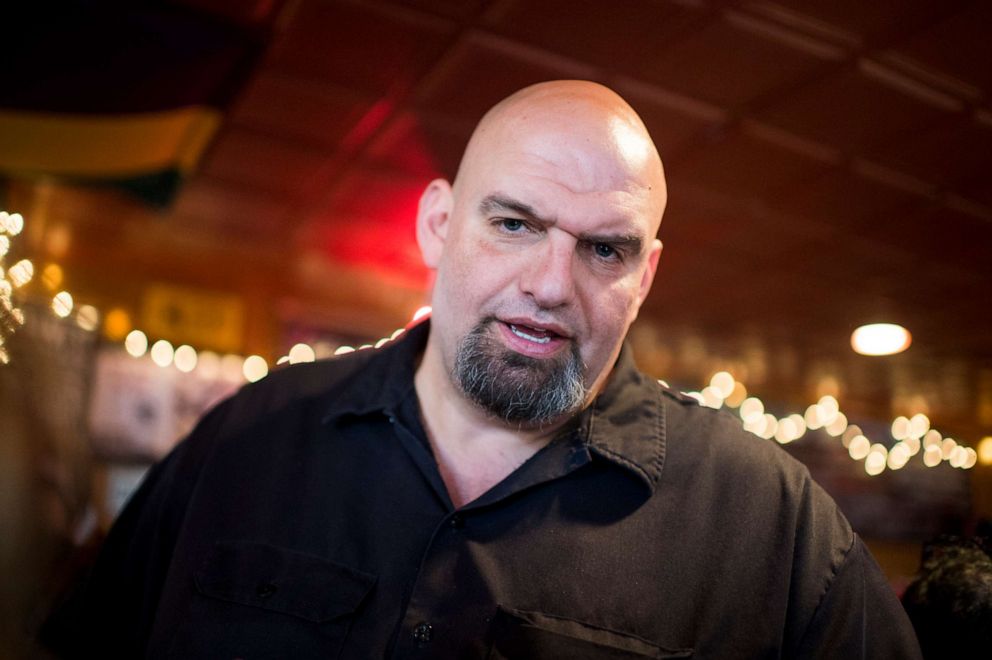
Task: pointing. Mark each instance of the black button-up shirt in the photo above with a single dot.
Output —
(306, 517)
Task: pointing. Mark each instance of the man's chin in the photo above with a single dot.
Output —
(516, 387)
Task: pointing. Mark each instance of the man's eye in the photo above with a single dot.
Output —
(605, 251)
(512, 224)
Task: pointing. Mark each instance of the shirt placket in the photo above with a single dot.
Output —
(451, 603)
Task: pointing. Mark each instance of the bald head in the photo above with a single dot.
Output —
(582, 126)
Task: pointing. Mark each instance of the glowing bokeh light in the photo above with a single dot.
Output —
(918, 425)
(829, 405)
(900, 428)
(62, 304)
(208, 365)
(116, 324)
(932, 456)
(52, 276)
(947, 445)
(814, 417)
(20, 273)
(185, 358)
(255, 368)
(771, 426)
(880, 339)
(723, 383)
(12, 223)
(751, 410)
(421, 312)
(971, 459)
(162, 353)
(898, 457)
(4, 247)
(859, 447)
(737, 395)
(232, 368)
(850, 433)
(985, 450)
(711, 397)
(87, 317)
(837, 425)
(786, 431)
(341, 350)
(136, 343)
(875, 463)
(301, 353)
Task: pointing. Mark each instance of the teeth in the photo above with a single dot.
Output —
(520, 333)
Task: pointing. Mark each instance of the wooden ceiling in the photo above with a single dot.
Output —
(829, 164)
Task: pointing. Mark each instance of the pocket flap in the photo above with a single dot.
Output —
(518, 634)
(282, 580)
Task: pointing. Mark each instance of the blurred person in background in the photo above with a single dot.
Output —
(950, 601)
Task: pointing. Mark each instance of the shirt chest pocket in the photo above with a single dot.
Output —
(519, 635)
(260, 601)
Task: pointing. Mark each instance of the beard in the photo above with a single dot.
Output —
(517, 388)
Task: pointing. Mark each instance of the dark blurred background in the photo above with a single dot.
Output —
(190, 183)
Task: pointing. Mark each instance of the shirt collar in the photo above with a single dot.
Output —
(382, 379)
(626, 422)
(625, 425)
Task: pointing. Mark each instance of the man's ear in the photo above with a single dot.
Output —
(648, 277)
(433, 216)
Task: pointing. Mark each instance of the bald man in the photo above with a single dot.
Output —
(500, 481)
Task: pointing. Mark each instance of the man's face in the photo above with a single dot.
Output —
(548, 253)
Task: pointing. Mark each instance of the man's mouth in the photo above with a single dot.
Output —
(536, 335)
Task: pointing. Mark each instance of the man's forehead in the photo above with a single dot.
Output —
(553, 141)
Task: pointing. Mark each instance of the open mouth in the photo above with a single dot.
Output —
(536, 335)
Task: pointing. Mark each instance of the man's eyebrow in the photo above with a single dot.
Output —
(629, 243)
(499, 203)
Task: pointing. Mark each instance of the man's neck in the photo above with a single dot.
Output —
(474, 451)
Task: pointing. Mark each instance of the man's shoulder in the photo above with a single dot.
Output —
(284, 395)
(712, 445)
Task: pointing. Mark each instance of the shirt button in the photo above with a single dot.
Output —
(456, 521)
(423, 632)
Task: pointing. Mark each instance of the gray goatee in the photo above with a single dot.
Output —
(517, 388)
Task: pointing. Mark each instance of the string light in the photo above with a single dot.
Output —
(11, 223)
(255, 368)
(11, 317)
(185, 358)
(136, 343)
(162, 353)
(301, 353)
(62, 304)
(911, 434)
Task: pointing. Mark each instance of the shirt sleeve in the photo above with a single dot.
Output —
(859, 616)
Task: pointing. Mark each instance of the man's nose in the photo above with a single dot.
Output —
(548, 274)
